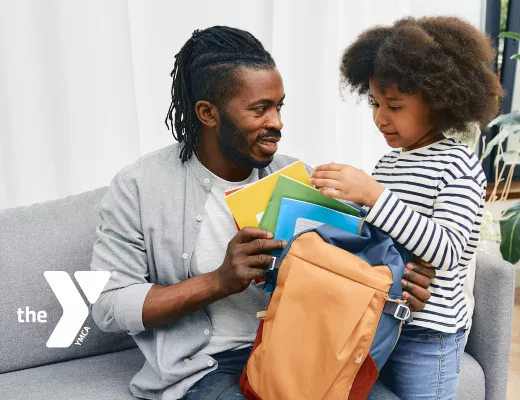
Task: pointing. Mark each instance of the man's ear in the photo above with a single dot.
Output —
(207, 113)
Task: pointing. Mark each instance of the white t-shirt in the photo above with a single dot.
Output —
(233, 318)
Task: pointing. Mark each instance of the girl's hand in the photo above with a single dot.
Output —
(346, 183)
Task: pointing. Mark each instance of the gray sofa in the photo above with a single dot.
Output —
(59, 235)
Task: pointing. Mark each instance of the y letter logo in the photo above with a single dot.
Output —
(75, 311)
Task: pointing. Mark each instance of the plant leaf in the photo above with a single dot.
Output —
(510, 232)
(507, 157)
(512, 118)
(511, 211)
(499, 138)
(510, 35)
(515, 57)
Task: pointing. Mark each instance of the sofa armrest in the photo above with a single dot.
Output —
(490, 335)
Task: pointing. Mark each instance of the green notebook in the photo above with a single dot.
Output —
(291, 189)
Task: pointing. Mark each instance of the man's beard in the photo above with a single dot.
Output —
(232, 142)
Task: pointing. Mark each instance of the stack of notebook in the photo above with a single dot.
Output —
(286, 204)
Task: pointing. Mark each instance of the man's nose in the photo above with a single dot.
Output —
(275, 121)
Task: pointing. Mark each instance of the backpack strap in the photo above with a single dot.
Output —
(271, 274)
(399, 310)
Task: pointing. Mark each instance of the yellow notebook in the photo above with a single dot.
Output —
(248, 204)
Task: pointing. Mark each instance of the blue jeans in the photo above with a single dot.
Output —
(425, 364)
(222, 384)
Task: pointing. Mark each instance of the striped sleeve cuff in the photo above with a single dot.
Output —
(383, 205)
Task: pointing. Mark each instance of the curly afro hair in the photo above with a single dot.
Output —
(445, 59)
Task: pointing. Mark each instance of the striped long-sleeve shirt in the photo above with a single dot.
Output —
(432, 204)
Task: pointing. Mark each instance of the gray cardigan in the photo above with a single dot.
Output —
(150, 225)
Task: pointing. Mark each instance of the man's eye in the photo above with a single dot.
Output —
(260, 109)
(279, 108)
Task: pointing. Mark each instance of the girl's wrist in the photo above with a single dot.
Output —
(375, 191)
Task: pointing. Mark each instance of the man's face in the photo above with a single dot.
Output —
(250, 123)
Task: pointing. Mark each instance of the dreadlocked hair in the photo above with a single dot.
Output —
(206, 69)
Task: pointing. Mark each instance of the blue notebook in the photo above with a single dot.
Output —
(297, 216)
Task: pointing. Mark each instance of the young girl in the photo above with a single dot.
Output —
(423, 78)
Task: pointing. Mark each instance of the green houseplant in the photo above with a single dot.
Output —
(509, 126)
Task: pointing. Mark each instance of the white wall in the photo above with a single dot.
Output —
(471, 10)
(159, 32)
(85, 86)
(153, 47)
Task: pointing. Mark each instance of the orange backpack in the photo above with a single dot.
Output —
(333, 319)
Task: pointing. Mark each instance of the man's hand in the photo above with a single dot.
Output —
(244, 261)
(246, 258)
(415, 283)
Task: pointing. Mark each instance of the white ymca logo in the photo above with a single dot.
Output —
(75, 311)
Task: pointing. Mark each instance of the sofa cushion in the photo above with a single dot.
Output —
(490, 337)
(95, 378)
(472, 383)
(108, 376)
(53, 236)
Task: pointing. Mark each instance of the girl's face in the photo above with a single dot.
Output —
(403, 119)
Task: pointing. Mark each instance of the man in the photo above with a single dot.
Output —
(182, 274)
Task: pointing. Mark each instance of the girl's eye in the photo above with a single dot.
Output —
(394, 108)
(372, 103)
